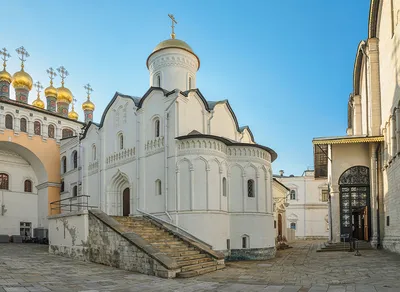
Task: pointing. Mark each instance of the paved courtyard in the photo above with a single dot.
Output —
(300, 269)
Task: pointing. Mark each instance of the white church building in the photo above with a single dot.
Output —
(173, 154)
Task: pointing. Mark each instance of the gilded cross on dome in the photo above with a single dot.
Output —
(51, 74)
(88, 89)
(22, 55)
(173, 25)
(38, 87)
(63, 74)
(4, 56)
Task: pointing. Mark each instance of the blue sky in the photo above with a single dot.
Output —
(285, 66)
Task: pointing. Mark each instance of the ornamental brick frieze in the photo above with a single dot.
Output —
(165, 61)
(120, 157)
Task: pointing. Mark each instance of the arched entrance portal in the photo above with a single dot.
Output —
(355, 212)
(126, 209)
(279, 224)
(119, 197)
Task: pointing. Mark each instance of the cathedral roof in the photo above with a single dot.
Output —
(229, 142)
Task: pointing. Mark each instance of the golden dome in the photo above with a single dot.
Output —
(50, 91)
(88, 105)
(22, 79)
(73, 115)
(38, 103)
(64, 94)
(5, 76)
(173, 43)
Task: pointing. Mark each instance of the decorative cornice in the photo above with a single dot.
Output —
(48, 184)
(349, 140)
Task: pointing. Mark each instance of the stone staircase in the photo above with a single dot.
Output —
(340, 246)
(191, 260)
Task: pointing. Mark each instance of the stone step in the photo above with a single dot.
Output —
(193, 262)
(190, 257)
(199, 266)
(194, 273)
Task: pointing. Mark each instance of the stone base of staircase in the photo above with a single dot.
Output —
(190, 259)
(340, 246)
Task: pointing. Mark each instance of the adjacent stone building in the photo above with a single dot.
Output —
(363, 167)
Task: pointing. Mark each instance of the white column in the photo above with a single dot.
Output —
(220, 190)
(256, 191)
(178, 191)
(357, 121)
(191, 188)
(397, 113)
(244, 192)
(207, 188)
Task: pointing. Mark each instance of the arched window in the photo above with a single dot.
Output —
(37, 128)
(51, 131)
(224, 186)
(9, 122)
(250, 188)
(158, 78)
(3, 181)
(22, 125)
(94, 152)
(62, 187)
(293, 195)
(157, 128)
(190, 83)
(394, 138)
(245, 241)
(66, 133)
(158, 187)
(75, 159)
(28, 186)
(121, 141)
(64, 164)
(75, 191)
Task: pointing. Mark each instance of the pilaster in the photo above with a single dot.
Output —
(375, 89)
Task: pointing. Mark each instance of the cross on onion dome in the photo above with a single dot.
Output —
(4, 56)
(51, 73)
(38, 87)
(63, 73)
(88, 89)
(22, 55)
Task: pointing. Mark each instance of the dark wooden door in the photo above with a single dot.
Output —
(280, 224)
(126, 209)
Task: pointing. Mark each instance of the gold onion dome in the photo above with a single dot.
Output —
(22, 79)
(50, 91)
(5, 76)
(38, 103)
(173, 43)
(88, 105)
(73, 115)
(64, 94)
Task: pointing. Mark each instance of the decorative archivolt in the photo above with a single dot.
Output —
(118, 180)
(293, 218)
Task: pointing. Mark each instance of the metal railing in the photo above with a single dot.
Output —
(70, 204)
(175, 228)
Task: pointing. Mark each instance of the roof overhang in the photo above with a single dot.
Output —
(347, 140)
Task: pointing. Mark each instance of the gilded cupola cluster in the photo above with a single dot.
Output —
(57, 100)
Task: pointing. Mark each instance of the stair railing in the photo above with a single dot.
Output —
(175, 228)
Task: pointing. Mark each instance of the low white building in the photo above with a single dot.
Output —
(307, 211)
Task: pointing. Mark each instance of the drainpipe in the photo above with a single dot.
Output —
(305, 203)
(209, 122)
(137, 160)
(378, 223)
(166, 147)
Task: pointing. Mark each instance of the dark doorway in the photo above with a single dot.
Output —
(280, 224)
(126, 209)
(355, 203)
